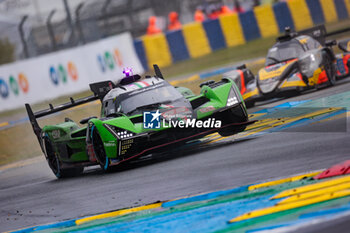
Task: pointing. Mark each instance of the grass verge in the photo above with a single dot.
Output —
(19, 141)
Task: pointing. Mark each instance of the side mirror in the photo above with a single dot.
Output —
(157, 71)
(242, 67)
(330, 43)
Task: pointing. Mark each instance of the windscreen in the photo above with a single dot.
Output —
(283, 52)
(141, 100)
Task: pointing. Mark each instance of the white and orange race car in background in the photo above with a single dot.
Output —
(295, 63)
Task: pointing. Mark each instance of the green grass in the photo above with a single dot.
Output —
(19, 141)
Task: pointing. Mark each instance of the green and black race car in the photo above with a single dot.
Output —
(139, 116)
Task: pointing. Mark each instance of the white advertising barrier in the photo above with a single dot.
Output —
(66, 72)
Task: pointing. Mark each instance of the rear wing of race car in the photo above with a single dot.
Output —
(319, 33)
(34, 116)
(99, 89)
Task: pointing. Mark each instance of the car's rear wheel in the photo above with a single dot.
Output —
(99, 150)
(55, 163)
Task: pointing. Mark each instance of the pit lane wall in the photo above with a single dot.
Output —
(199, 39)
(66, 72)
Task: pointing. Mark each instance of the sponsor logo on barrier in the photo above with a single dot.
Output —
(14, 85)
(61, 73)
(109, 60)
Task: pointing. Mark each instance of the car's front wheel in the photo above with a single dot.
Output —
(99, 149)
(330, 70)
(250, 103)
(232, 120)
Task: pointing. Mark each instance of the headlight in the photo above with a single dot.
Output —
(125, 134)
(118, 133)
(232, 98)
(232, 101)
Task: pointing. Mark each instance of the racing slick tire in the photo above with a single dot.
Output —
(330, 69)
(99, 150)
(231, 116)
(55, 164)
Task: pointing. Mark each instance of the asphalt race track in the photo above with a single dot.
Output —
(31, 195)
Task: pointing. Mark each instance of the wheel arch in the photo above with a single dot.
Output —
(102, 142)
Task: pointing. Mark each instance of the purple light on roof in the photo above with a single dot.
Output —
(127, 72)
